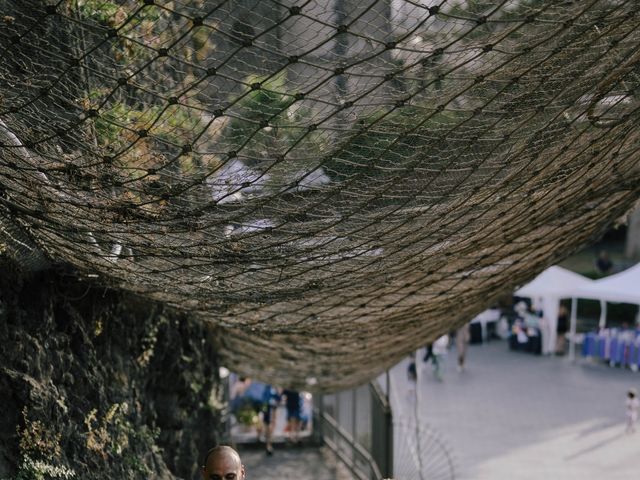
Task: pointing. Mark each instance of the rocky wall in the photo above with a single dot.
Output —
(96, 383)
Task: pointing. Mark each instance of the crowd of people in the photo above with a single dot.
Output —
(526, 330)
(435, 352)
(261, 403)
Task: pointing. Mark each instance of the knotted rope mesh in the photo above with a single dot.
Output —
(330, 183)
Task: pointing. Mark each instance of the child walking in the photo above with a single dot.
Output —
(633, 405)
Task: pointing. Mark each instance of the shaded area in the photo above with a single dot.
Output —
(100, 383)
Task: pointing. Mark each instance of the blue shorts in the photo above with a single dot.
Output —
(266, 415)
(293, 413)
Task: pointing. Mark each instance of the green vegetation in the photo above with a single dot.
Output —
(246, 415)
(150, 130)
(118, 124)
(41, 452)
(113, 435)
(146, 141)
(380, 143)
(113, 14)
(141, 31)
(40, 470)
(272, 130)
(102, 11)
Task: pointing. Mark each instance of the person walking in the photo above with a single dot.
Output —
(561, 329)
(439, 351)
(428, 353)
(633, 405)
(412, 373)
(462, 340)
(292, 404)
(271, 400)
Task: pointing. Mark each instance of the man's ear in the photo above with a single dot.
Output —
(204, 473)
(241, 471)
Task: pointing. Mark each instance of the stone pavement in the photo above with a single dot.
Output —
(517, 416)
(295, 463)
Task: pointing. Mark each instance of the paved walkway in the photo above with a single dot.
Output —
(295, 463)
(517, 416)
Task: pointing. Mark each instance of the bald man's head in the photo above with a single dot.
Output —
(222, 463)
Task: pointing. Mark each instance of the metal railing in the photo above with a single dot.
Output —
(357, 426)
(378, 435)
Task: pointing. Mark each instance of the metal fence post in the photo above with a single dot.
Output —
(318, 430)
(382, 425)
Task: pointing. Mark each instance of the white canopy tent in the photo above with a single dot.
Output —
(546, 290)
(623, 287)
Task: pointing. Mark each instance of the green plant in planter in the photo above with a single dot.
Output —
(247, 416)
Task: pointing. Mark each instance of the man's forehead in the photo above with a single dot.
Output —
(223, 461)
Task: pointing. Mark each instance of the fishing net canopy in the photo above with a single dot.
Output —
(329, 183)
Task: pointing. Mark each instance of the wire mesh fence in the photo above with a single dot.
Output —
(421, 453)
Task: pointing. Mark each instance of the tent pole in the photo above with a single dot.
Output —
(603, 314)
(572, 329)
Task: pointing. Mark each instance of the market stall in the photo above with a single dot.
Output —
(623, 287)
(546, 291)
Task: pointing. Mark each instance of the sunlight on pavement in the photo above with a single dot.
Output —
(586, 450)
